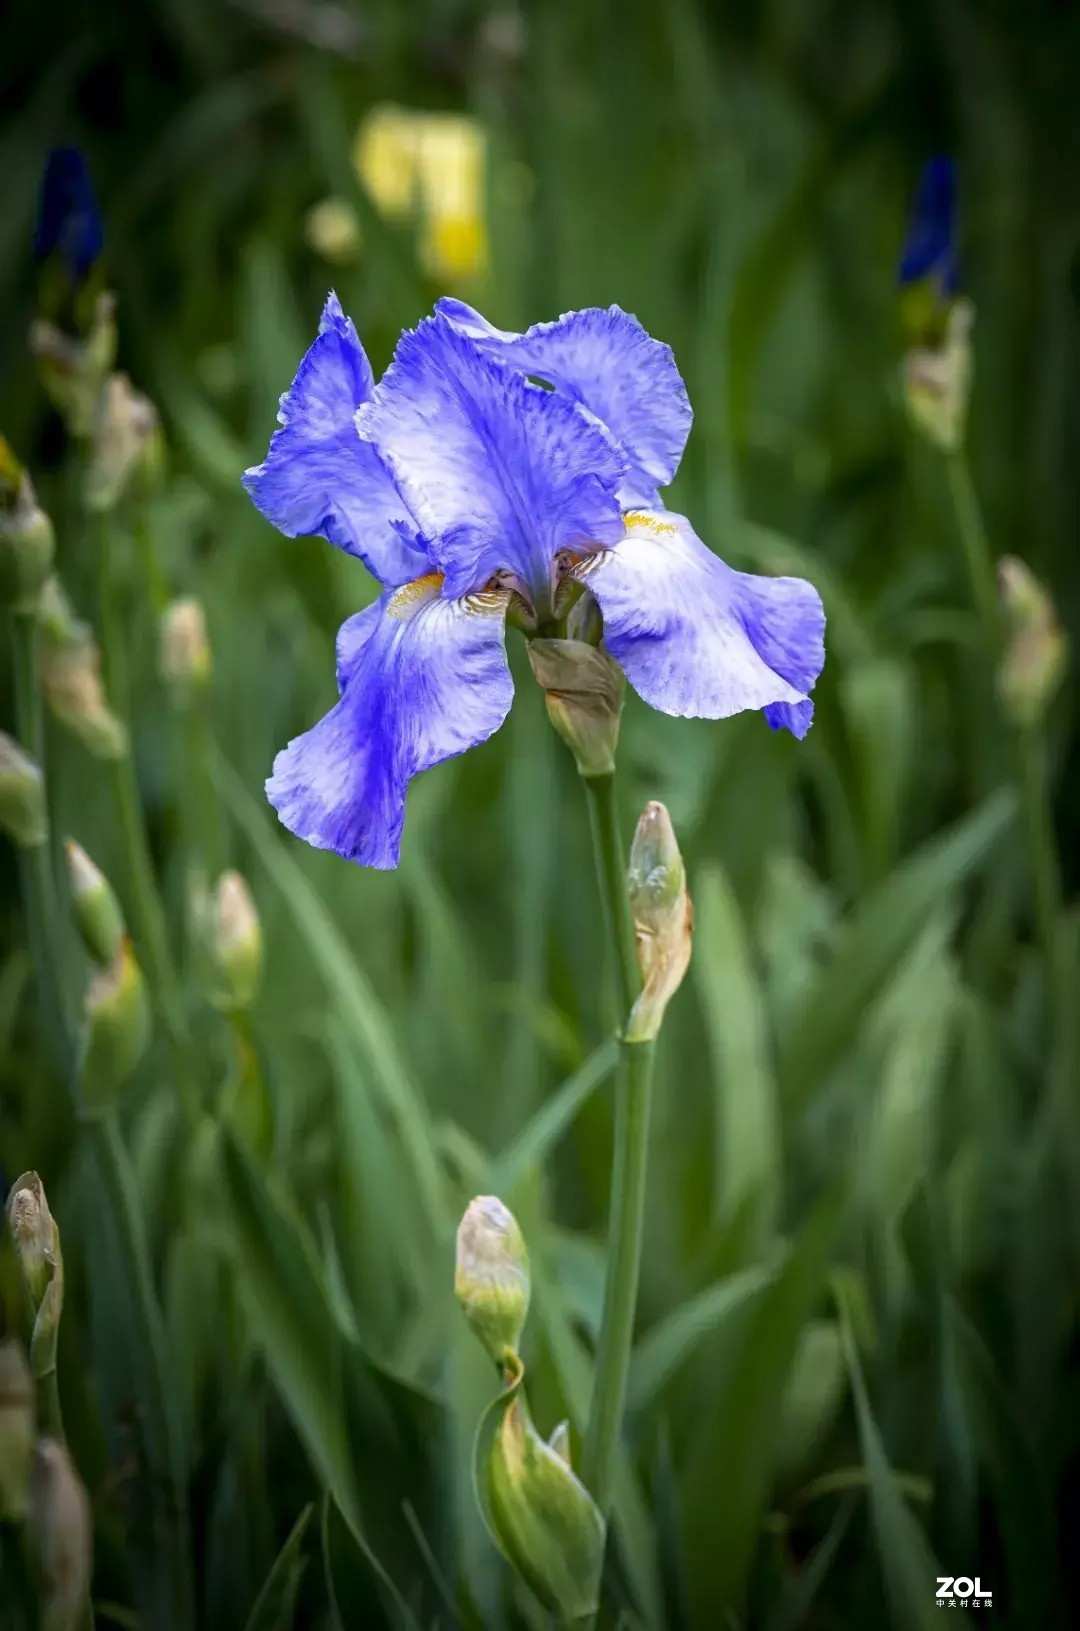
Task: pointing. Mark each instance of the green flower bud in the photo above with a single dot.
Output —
(26, 537)
(1036, 652)
(186, 661)
(96, 908)
(22, 795)
(60, 1536)
(539, 1513)
(124, 432)
(71, 681)
(663, 919)
(583, 689)
(228, 927)
(72, 370)
(17, 1431)
(41, 1262)
(491, 1278)
(117, 1016)
(937, 381)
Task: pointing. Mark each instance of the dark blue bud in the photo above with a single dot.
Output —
(69, 221)
(930, 248)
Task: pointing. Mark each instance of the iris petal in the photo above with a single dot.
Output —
(501, 473)
(319, 478)
(422, 678)
(608, 362)
(696, 638)
(930, 248)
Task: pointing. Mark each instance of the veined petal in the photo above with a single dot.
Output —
(607, 361)
(422, 679)
(500, 473)
(695, 637)
(319, 478)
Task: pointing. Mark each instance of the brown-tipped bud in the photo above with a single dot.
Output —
(1036, 651)
(22, 795)
(26, 537)
(94, 904)
(117, 1015)
(583, 689)
(16, 1431)
(937, 381)
(73, 371)
(59, 1533)
(71, 680)
(663, 919)
(124, 432)
(491, 1278)
(186, 661)
(227, 923)
(41, 1262)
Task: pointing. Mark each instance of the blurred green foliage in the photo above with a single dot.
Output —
(858, 1327)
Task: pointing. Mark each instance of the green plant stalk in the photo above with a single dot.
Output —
(632, 1113)
(978, 554)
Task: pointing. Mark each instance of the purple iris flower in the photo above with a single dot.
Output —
(69, 221)
(467, 488)
(930, 249)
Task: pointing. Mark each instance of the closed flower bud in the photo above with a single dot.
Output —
(583, 689)
(41, 1263)
(540, 1514)
(124, 432)
(491, 1278)
(186, 662)
(17, 1431)
(73, 370)
(71, 680)
(96, 908)
(937, 381)
(228, 926)
(59, 1535)
(22, 795)
(1036, 651)
(663, 919)
(26, 537)
(117, 1016)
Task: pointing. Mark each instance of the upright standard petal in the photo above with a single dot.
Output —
(422, 678)
(696, 638)
(319, 478)
(501, 474)
(930, 247)
(608, 362)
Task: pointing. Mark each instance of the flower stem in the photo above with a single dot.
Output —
(632, 1110)
(978, 554)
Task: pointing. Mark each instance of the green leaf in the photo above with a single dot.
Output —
(275, 1605)
(668, 1344)
(534, 1143)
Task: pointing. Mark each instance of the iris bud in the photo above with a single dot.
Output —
(228, 926)
(22, 795)
(491, 1278)
(17, 1431)
(26, 537)
(96, 908)
(583, 689)
(59, 1533)
(41, 1264)
(186, 661)
(663, 919)
(71, 680)
(73, 371)
(937, 380)
(1036, 651)
(539, 1512)
(117, 1017)
(124, 436)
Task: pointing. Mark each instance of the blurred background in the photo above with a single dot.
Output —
(856, 1366)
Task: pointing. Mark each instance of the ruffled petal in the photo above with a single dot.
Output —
(422, 679)
(501, 473)
(608, 362)
(696, 638)
(319, 478)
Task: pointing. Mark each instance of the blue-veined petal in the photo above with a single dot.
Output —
(319, 478)
(607, 361)
(500, 473)
(930, 247)
(422, 678)
(695, 637)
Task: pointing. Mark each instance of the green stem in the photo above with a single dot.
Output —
(632, 1108)
(978, 553)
